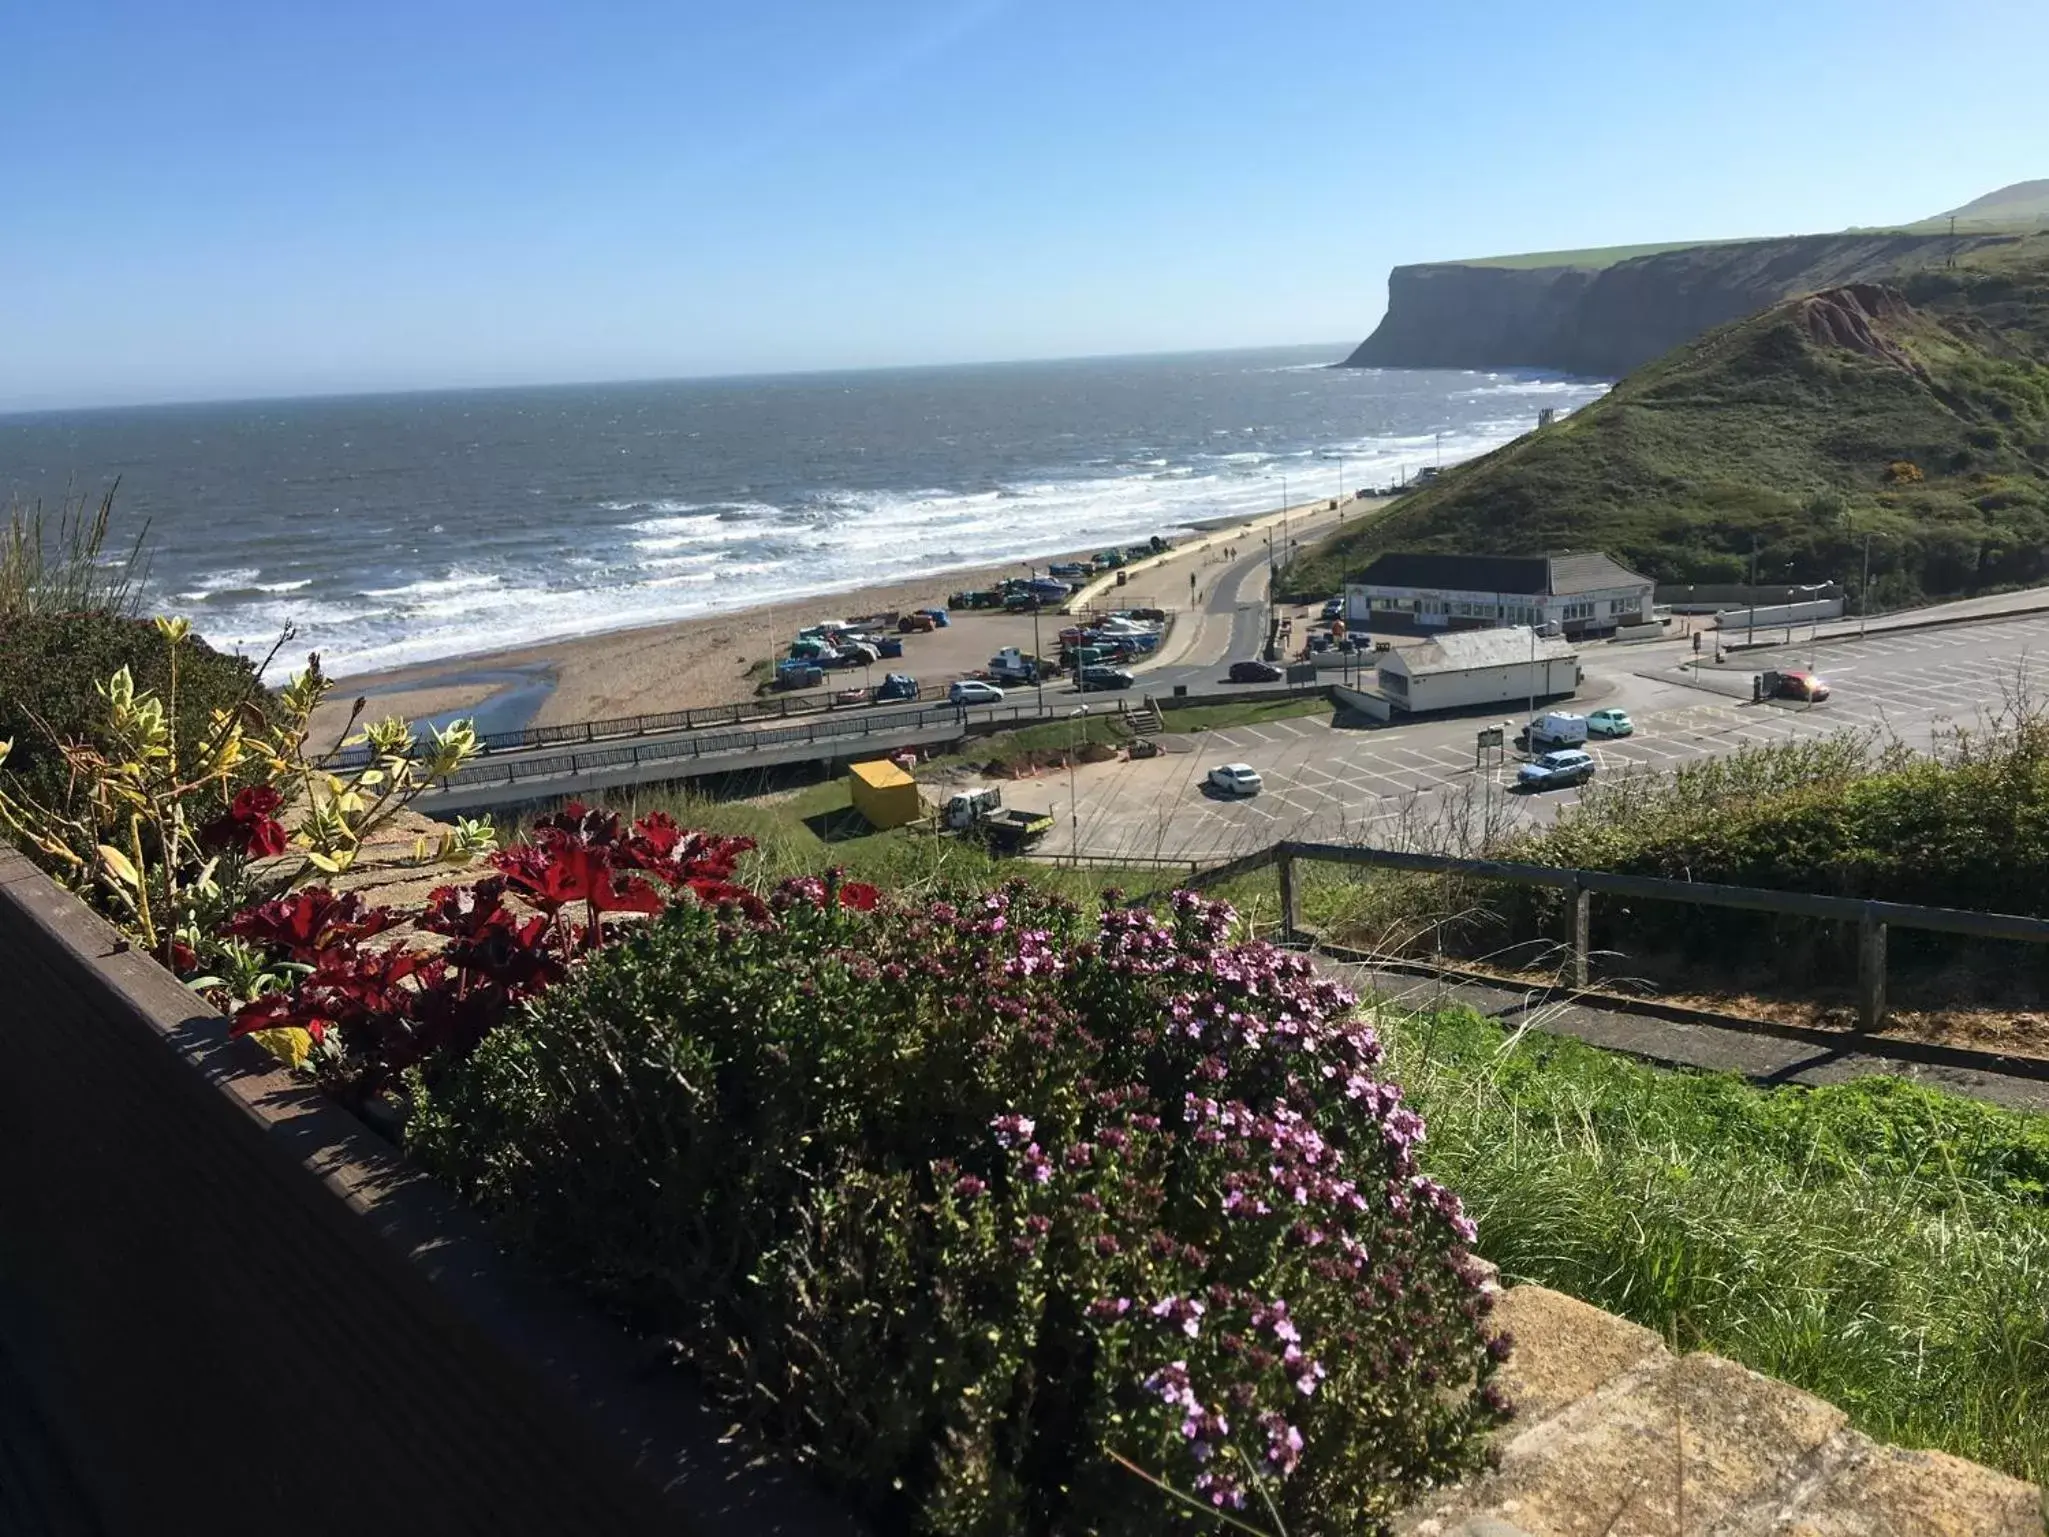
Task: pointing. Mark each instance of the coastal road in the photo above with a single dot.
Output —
(1345, 782)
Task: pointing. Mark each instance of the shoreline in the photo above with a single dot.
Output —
(711, 659)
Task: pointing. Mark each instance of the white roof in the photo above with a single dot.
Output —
(1468, 650)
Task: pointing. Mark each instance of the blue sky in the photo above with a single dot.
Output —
(220, 198)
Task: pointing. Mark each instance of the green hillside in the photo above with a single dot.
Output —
(1918, 414)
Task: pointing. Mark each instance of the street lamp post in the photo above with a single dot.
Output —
(1532, 727)
(1266, 645)
(1038, 664)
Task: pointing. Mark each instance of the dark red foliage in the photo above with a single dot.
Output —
(249, 826)
(303, 924)
(393, 1008)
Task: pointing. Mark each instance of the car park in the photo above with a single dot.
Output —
(1256, 672)
(1235, 779)
(974, 691)
(1610, 723)
(1556, 770)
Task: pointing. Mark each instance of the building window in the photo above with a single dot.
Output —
(1581, 610)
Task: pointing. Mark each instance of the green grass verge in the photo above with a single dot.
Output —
(1881, 1245)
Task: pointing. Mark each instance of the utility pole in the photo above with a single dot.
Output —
(1073, 796)
(1341, 485)
(1864, 591)
(1284, 515)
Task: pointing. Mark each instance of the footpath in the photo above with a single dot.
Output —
(1763, 1051)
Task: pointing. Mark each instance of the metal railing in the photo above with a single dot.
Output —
(678, 749)
(1873, 918)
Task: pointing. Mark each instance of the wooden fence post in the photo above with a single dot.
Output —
(1289, 917)
(1582, 932)
(1870, 972)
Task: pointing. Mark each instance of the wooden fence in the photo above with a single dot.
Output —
(1872, 918)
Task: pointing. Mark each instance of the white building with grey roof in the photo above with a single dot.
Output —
(1583, 594)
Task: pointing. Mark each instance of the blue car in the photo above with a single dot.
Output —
(1556, 770)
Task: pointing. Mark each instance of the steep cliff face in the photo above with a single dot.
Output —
(1449, 315)
(1609, 321)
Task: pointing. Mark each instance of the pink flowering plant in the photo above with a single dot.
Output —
(1007, 1216)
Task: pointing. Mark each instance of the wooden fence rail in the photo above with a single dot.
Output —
(1873, 918)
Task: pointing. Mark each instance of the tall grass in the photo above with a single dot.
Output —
(61, 563)
(1881, 1245)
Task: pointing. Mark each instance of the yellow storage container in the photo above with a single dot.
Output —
(884, 794)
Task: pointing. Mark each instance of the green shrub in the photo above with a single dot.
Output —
(53, 666)
(965, 1203)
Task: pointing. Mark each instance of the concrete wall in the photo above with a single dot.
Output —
(1363, 701)
(1764, 617)
(201, 1257)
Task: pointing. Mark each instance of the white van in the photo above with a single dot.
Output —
(1554, 728)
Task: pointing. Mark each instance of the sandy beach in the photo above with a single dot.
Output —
(708, 660)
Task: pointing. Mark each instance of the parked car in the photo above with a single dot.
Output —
(1333, 608)
(1610, 723)
(1236, 779)
(1554, 728)
(974, 691)
(896, 686)
(1255, 672)
(1094, 678)
(1802, 685)
(1555, 770)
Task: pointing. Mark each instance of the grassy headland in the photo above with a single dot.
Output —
(1592, 259)
(1917, 416)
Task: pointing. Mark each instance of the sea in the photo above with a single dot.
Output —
(396, 529)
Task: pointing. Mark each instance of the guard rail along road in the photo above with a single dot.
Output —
(1872, 918)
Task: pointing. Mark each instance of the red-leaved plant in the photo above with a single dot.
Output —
(374, 1010)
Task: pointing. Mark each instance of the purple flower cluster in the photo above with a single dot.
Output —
(1302, 1233)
